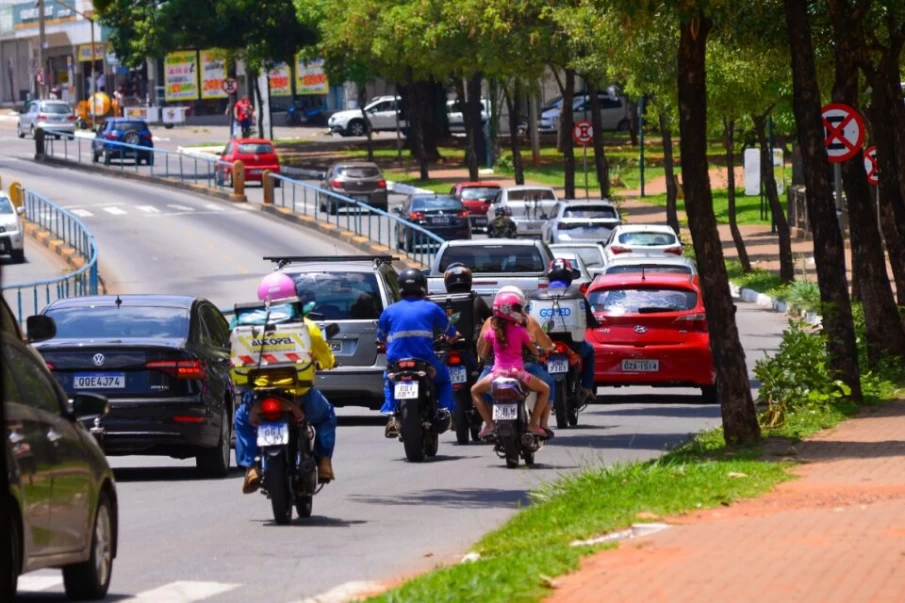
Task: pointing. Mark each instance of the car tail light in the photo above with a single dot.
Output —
(601, 317)
(381, 347)
(110, 136)
(181, 369)
(336, 184)
(543, 285)
(561, 348)
(584, 287)
(71, 117)
(188, 419)
(673, 250)
(617, 249)
(42, 116)
(50, 365)
(463, 214)
(416, 215)
(693, 322)
(381, 184)
(454, 359)
(271, 408)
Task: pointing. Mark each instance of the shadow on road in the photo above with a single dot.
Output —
(315, 521)
(629, 441)
(679, 412)
(361, 421)
(463, 498)
(39, 597)
(612, 396)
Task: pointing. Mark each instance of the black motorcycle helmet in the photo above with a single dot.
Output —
(457, 278)
(412, 283)
(560, 270)
(500, 211)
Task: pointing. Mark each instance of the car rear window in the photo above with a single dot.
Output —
(130, 125)
(658, 268)
(479, 193)
(450, 203)
(508, 258)
(599, 212)
(592, 256)
(531, 194)
(645, 300)
(107, 322)
(359, 172)
(341, 295)
(647, 239)
(255, 149)
(56, 108)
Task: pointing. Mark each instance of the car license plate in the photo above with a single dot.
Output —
(406, 391)
(440, 221)
(273, 434)
(557, 364)
(641, 366)
(255, 171)
(505, 412)
(336, 346)
(361, 198)
(107, 381)
(457, 374)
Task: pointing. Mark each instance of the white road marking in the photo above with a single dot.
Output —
(180, 207)
(38, 582)
(150, 209)
(194, 213)
(345, 592)
(215, 207)
(115, 211)
(82, 213)
(183, 591)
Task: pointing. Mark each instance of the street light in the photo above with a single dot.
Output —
(93, 56)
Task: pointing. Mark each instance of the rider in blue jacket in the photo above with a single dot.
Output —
(408, 328)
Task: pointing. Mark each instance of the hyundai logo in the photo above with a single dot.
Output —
(98, 359)
(640, 329)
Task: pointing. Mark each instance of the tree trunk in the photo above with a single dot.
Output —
(828, 246)
(633, 121)
(729, 144)
(566, 124)
(740, 424)
(768, 180)
(362, 100)
(415, 105)
(669, 166)
(434, 122)
(601, 165)
(884, 331)
(512, 107)
(471, 158)
(476, 122)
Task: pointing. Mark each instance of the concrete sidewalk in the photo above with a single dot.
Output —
(835, 534)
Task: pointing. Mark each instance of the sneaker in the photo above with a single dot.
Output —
(325, 470)
(392, 430)
(252, 481)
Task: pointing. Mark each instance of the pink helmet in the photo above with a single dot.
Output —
(509, 306)
(275, 286)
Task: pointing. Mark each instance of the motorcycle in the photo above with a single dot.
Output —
(463, 377)
(511, 408)
(566, 379)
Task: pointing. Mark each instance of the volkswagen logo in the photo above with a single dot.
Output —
(640, 329)
(98, 359)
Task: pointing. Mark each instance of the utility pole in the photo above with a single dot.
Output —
(42, 42)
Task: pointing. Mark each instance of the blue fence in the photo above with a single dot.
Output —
(30, 298)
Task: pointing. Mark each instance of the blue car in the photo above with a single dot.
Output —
(123, 130)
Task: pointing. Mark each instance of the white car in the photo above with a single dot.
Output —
(574, 258)
(381, 113)
(581, 220)
(613, 112)
(661, 265)
(591, 254)
(12, 240)
(529, 206)
(641, 240)
(457, 120)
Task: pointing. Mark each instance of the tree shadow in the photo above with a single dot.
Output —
(659, 442)
(167, 474)
(697, 412)
(461, 498)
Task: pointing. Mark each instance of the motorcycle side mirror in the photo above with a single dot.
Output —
(332, 330)
(549, 325)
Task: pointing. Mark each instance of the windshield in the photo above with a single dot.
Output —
(592, 256)
(647, 239)
(479, 193)
(450, 203)
(126, 322)
(6, 206)
(509, 258)
(531, 194)
(56, 108)
(596, 212)
(658, 268)
(341, 295)
(642, 300)
(358, 171)
(255, 149)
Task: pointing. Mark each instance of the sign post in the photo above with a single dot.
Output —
(873, 177)
(844, 136)
(583, 134)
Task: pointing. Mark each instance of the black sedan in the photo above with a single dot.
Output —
(442, 215)
(163, 362)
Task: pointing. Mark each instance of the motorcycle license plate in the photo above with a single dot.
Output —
(457, 374)
(557, 364)
(406, 391)
(273, 434)
(505, 412)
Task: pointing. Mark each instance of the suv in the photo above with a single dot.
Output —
(381, 113)
(123, 130)
(358, 180)
(352, 292)
(530, 207)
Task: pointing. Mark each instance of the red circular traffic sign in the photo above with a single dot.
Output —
(230, 85)
(583, 133)
(871, 166)
(843, 131)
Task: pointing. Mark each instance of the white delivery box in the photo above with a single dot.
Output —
(560, 311)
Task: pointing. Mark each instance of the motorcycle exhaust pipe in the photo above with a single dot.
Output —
(441, 422)
(529, 441)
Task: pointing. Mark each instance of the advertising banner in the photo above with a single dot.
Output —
(213, 73)
(280, 82)
(84, 52)
(180, 75)
(310, 78)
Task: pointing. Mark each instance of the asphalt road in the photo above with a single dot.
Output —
(40, 264)
(185, 539)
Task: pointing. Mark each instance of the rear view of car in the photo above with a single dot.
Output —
(477, 197)
(582, 221)
(12, 241)
(56, 116)
(443, 215)
(591, 254)
(632, 240)
(257, 155)
(663, 265)
(359, 181)
(118, 139)
(529, 206)
(653, 331)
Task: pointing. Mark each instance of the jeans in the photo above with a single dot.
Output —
(586, 351)
(318, 411)
(442, 387)
(536, 370)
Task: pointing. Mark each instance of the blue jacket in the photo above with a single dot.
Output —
(408, 327)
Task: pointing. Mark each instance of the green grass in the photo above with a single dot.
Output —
(759, 280)
(747, 208)
(437, 186)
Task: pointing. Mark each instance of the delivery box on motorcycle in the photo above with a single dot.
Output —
(560, 311)
(459, 307)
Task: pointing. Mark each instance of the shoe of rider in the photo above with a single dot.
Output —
(407, 327)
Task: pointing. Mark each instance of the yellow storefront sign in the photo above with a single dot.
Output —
(84, 51)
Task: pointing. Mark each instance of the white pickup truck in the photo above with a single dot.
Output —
(494, 263)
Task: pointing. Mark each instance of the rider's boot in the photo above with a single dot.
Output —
(325, 470)
(252, 480)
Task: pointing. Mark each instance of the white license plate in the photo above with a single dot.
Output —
(557, 365)
(255, 171)
(361, 198)
(406, 391)
(457, 374)
(336, 346)
(273, 434)
(111, 381)
(505, 412)
(641, 366)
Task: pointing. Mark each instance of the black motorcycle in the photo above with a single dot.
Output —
(463, 377)
(420, 419)
(510, 414)
(566, 379)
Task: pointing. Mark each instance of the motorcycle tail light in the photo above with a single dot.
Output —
(454, 359)
(561, 348)
(407, 364)
(271, 408)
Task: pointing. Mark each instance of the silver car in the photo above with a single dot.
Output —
(663, 265)
(529, 207)
(47, 114)
(358, 180)
(581, 220)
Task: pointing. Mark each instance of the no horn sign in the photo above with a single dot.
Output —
(844, 132)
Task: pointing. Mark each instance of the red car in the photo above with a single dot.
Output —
(256, 153)
(653, 331)
(477, 197)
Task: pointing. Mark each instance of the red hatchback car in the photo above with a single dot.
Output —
(476, 197)
(256, 153)
(653, 331)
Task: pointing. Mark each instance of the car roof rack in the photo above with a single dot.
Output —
(282, 260)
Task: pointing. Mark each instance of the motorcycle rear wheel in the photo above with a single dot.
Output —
(512, 448)
(304, 505)
(529, 459)
(431, 444)
(277, 480)
(412, 436)
(462, 422)
(562, 405)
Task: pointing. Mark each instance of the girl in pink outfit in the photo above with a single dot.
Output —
(508, 338)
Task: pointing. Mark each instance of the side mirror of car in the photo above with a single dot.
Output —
(397, 210)
(40, 328)
(332, 330)
(87, 405)
(544, 217)
(576, 273)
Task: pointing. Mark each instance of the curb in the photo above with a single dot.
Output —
(406, 189)
(776, 305)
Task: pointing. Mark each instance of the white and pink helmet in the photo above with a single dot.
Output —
(276, 286)
(509, 306)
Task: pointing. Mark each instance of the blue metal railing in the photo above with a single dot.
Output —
(65, 226)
